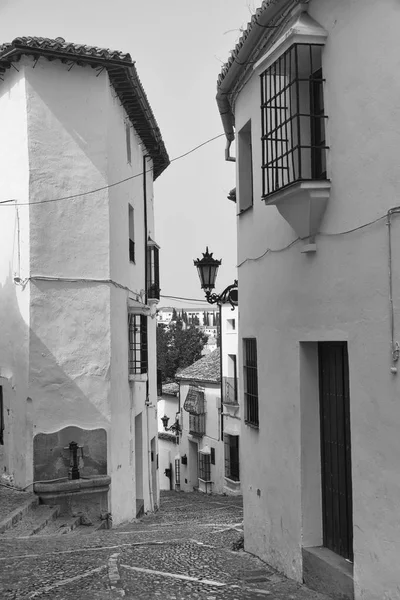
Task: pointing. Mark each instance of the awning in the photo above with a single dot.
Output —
(194, 403)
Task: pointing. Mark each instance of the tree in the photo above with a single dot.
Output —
(177, 348)
(174, 315)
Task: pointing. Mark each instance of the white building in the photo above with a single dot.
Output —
(200, 445)
(231, 414)
(77, 261)
(310, 94)
(168, 449)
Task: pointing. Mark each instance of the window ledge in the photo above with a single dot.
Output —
(205, 480)
(252, 425)
(138, 377)
(302, 205)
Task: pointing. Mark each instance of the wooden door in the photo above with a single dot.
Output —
(336, 448)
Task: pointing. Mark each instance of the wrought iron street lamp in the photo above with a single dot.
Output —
(174, 427)
(207, 268)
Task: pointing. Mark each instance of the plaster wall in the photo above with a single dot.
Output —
(14, 262)
(167, 452)
(212, 395)
(69, 241)
(338, 293)
(166, 405)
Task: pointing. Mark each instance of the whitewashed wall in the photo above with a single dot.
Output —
(340, 293)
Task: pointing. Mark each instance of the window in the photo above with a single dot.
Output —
(128, 142)
(131, 235)
(1, 416)
(293, 119)
(231, 392)
(231, 443)
(230, 324)
(250, 381)
(212, 456)
(205, 467)
(197, 424)
(153, 271)
(137, 326)
(177, 472)
(245, 162)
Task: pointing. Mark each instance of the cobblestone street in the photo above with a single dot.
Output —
(186, 550)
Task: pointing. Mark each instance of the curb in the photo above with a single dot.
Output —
(17, 514)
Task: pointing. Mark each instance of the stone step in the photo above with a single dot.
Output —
(22, 508)
(61, 525)
(33, 521)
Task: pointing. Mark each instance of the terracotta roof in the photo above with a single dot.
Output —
(170, 389)
(254, 23)
(121, 71)
(164, 435)
(207, 369)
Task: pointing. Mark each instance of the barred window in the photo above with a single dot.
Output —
(293, 119)
(177, 472)
(250, 381)
(232, 457)
(205, 467)
(137, 328)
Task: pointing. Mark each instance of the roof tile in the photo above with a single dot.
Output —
(207, 369)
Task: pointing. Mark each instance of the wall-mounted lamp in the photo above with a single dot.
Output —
(207, 268)
(174, 427)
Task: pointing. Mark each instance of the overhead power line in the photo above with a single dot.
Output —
(105, 187)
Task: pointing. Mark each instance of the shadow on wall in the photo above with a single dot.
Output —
(37, 389)
(14, 373)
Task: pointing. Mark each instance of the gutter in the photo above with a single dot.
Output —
(236, 69)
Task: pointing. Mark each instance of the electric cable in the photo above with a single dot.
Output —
(111, 185)
(322, 233)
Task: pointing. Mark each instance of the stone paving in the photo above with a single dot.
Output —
(183, 551)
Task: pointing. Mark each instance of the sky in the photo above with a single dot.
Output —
(179, 47)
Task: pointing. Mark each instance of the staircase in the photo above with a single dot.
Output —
(33, 518)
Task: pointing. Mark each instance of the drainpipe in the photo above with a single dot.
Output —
(261, 20)
(149, 474)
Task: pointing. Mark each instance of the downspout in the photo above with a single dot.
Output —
(260, 21)
(149, 473)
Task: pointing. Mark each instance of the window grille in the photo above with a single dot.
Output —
(293, 119)
(137, 327)
(250, 381)
(177, 472)
(1, 416)
(205, 467)
(232, 457)
(153, 272)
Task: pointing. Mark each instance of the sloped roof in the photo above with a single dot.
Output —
(121, 71)
(207, 369)
(260, 29)
(170, 389)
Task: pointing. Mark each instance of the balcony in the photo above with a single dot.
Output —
(230, 391)
(197, 425)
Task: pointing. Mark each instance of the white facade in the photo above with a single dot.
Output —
(67, 283)
(230, 398)
(336, 291)
(168, 449)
